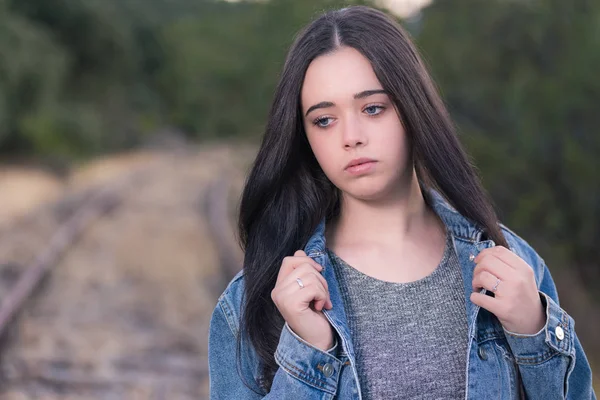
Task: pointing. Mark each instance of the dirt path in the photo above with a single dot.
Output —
(124, 314)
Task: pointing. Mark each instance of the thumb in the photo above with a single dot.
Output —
(300, 253)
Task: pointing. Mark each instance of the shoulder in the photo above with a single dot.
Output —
(223, 355)
(230, 301)
(524, 250)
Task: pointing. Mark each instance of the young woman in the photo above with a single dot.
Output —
(375, 266)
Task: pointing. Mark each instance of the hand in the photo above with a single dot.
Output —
(517, 303)
(302, 307)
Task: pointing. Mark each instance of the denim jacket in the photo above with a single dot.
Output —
(550, 364)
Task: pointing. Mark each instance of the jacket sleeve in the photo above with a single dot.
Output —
(304, 372)
(552, 362)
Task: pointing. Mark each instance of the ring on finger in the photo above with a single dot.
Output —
(300, 283)
(496, 285)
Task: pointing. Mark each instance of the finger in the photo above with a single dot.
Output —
(301, 257)
(299, 299)
(308, 278)
(494, 266)
(504, 254)
(513, 260)
(317, 279)
(303, 270)
(314, 278)
(321, 283)
(484, 301)
(484, 280)
(321, 298)
(291, 262)
(491, 253)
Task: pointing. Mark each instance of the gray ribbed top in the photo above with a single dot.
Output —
(410, 339)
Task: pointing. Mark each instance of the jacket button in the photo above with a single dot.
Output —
(560, 333)
(327, 370)
(471, 257)
(481, 353)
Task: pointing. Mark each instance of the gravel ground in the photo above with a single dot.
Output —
(124, 314)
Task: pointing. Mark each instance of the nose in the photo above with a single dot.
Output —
(353, 135)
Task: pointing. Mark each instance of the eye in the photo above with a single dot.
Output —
(374, 110)
(322, 122)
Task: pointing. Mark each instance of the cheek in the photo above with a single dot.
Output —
(393, 140)
(394, 130)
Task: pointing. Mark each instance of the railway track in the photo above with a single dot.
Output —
(107, 294)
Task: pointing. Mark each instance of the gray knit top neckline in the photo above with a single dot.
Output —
(340, 263)
(409, 338)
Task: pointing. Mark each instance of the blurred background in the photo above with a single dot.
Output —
(127, 128)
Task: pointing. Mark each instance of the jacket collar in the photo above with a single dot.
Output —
(459, 226)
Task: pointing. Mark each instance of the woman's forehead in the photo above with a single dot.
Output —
(338, 76)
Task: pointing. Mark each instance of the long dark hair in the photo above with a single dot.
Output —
(287, 194)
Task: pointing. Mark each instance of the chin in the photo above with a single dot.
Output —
(367, 191)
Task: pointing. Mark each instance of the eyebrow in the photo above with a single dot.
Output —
(360, 95)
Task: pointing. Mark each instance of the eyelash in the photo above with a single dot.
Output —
(320, 119)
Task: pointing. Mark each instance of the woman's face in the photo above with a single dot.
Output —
(347, 116)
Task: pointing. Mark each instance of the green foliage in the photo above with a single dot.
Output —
(222, 71)
(521, 80)
(205, 67)
(63, 131)
(520, 77)
(32, 69)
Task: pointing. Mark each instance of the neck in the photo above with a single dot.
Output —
(400, 217)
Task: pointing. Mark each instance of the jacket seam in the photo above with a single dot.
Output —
(225, 309)
(538, 359)
(465, 238)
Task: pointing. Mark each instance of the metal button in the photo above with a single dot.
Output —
(472, 257)
(481, 353)
(560, 333)
(327, 370)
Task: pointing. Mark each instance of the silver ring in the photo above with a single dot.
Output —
(496, 285)
(300, 283)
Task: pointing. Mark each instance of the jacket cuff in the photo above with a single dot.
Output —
(315, 367)
(556, 336)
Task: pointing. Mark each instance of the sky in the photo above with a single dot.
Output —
(404, 7)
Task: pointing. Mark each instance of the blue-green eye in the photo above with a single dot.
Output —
(320, 122)
(374, 110)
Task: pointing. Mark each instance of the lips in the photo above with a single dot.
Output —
(358, 161)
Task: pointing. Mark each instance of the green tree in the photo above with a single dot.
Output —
(521, 81)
